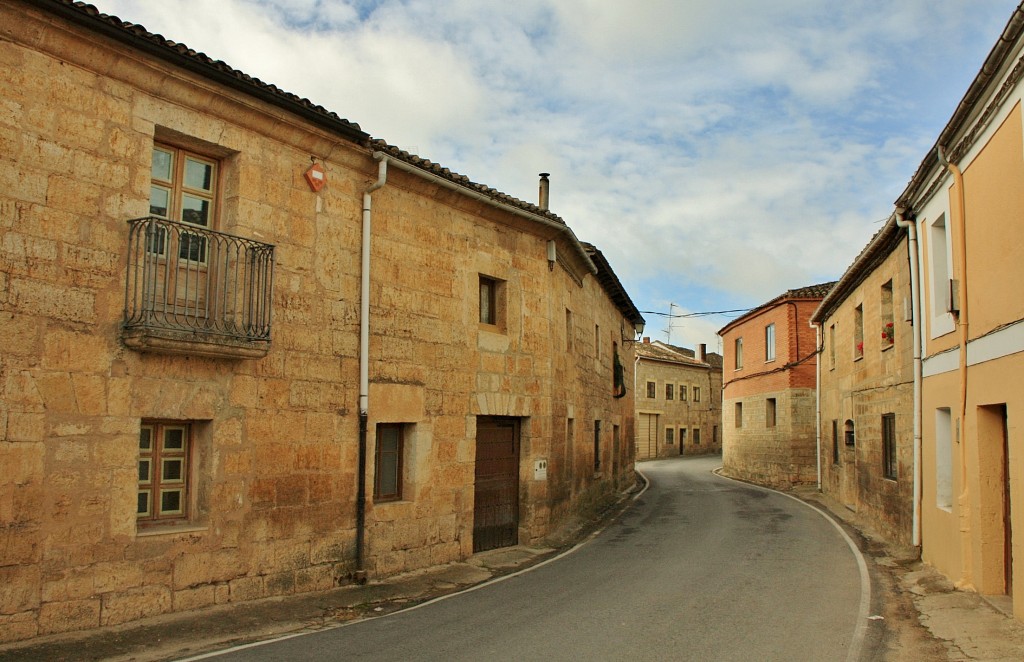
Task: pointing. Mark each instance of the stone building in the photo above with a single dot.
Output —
(768, 401)
(866, 387)
(678, 401)
(966, 216)
(252, 351)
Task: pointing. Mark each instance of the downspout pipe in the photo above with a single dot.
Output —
(915, 322)
(819, 335)
(364, 367)
(960, 270)
(959, 231)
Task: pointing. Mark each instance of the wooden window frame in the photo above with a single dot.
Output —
(888, 318)
(670, 436)
(670, 391)
(696, 394)
(683, 388)
(858, 332)
(835, 442)
(890, 460)
(569, 330)
(652, 390)
(157, 458)
(177, 189)
(399, 462)
(695, 436)
(488, 300)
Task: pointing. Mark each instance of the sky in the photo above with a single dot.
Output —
(718, 152)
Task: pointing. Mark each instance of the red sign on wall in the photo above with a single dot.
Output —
(316, 177)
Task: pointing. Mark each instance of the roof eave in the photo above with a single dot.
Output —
(79, 15)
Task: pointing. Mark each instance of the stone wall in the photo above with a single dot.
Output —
(780, 452)
(679, 414)
(271, 497)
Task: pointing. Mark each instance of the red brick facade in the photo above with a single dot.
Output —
(768, 412)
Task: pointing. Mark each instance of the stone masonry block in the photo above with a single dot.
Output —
(18, 626)
(69, 616)
(194, 598)
(19, 589)
(135, 604)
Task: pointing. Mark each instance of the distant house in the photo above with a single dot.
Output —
(678, 401)
(768, 403)
(250, 351)
(966, 207)
(865, 387)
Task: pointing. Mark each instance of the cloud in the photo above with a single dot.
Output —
(717, 152)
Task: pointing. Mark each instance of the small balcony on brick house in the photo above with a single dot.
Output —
(196, 292)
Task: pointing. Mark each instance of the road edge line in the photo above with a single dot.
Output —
(860, 633)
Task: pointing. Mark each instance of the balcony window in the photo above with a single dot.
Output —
(195, 291)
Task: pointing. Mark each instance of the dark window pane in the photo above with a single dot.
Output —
(174, 439)
(170, 502)
(172, 470)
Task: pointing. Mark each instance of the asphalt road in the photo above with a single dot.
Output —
(698, 568)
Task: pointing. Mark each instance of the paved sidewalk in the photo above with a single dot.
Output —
(926, 617)
(188, 634)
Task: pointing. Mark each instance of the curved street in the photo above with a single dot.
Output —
(699, 567)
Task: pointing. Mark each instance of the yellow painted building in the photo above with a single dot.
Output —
(966, 201)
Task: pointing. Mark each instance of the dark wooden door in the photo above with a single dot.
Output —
(496, 494)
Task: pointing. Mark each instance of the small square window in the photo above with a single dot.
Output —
(488, 300)
(890, 465)
(387, 482)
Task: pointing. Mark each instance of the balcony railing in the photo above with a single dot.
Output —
(195, 291)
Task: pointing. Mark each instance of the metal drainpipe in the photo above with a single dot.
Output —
(915, 323)
(817, 399)
(960, 269)
(364, 367)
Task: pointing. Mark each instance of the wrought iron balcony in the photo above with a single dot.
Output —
(195, 291)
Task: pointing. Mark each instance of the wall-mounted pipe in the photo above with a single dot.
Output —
(959, 232)
(820, 343)
(915, 323)
(364, 368)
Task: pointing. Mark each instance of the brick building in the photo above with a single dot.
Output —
(865, 387)
(768, 401)
(678, 401)
(251, 351)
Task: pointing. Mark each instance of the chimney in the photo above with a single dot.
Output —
(544, 187)
(647, 340)
(702, 352)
